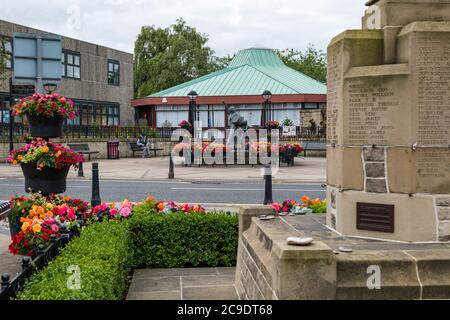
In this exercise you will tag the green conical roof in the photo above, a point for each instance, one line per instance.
(250, 73)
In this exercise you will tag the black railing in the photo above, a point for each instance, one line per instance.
(75, 132)
(81, 132)
(11, 287)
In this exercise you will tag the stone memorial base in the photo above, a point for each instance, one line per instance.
(268, 268)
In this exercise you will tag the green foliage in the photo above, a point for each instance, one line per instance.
(102, 253)
(180, 240)
(287, 122)
(319, 208)
(165, 57)
(3, 58)
(312, 62)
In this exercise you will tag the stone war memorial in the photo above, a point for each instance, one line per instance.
(388, 149)
(387, 230)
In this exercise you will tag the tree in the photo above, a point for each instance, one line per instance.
(312, 62)
(4, 56)
(165, 57)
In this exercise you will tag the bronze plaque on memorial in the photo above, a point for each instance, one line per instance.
(375, 217)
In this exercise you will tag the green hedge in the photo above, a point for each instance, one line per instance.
(183, 240)
(103, 255)
(106, 252)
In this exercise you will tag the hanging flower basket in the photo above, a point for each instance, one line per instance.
(46, 181)
(45, 165)
(43, 127)
(46, 113)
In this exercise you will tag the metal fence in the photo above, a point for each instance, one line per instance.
(81, 132)
(11, 287)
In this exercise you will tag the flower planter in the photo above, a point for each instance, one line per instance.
(47, 180)
(14, 226)
(45, 127)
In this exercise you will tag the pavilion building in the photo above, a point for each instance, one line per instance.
(253, 71)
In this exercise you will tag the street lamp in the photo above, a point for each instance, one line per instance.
(266, 114)
(192, 107)
(50, 87)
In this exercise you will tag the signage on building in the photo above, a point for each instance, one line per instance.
(37, 59)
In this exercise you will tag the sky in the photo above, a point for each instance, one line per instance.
(230, 24)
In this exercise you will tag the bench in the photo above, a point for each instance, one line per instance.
(314, 146)
(82, 148)
(4, 210)
(135, 148)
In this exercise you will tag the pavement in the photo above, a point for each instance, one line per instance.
(183, 284)
(8, 263)
(157, 169)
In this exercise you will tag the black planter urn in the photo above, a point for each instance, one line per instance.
(47, 180)
(43, 127)
(14, 226)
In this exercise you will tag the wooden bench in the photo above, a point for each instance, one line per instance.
(135, 148)
(82, 148)
(314, 146)
(4, 210)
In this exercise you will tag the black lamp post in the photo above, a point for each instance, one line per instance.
(192, 107)
(266, 114)
(50, 87)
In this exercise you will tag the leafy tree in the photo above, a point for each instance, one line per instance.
(312, 62)
(4, 56)
(165, 57)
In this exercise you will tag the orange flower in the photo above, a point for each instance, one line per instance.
(305, 199)
(150, 199)
(160, 206)
(37, 228)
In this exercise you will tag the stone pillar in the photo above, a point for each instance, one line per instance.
(389, 124)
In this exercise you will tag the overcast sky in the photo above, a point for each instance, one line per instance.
(230, 24)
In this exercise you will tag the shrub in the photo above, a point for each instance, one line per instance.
(183, 240)
(102, 252)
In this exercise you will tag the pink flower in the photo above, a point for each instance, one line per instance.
(55, 228)
(125, 211)
(113, 211)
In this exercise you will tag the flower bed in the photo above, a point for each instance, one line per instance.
(117, 238)
(102, 254)
(302, 207)
(40, 217)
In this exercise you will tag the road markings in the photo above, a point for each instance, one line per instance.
(248, 189)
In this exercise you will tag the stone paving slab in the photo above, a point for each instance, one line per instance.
(156, 169)
(8, 263)
(183, 284)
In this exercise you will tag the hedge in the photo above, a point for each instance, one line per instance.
(102, 252)
(183, 240)
(105, 252)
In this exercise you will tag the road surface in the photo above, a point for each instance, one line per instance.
(207, 192)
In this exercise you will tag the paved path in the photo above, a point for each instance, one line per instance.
(8, 263)
(156, 169)
(183, 284)
(200, 192)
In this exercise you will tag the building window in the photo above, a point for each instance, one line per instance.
(100, 114)
(7, 48)
(71, 65)
(113, 73)
(309, 105)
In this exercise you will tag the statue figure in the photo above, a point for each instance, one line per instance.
(236, 121)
